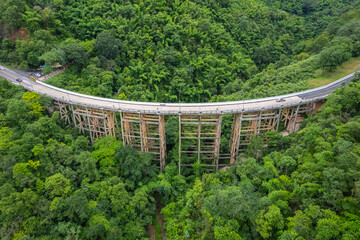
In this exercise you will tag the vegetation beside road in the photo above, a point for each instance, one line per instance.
(322, 78)
(195, 51)
(55, 185)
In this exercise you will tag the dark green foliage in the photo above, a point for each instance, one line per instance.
(107, 45)
(305, 190)
(273, 82)
(189, 51)
(334, 56)
(53, 184)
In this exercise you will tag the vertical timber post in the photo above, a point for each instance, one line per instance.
(199, 138)
(239, 138)
(144, 133)
(217, 141)
(141, 132)
(278, 119)
(90, 130)
(296, 116)
(73, 115)
(122, 127)
(162, 142)
(235, 136)
(104, 121)
(180, 144)
(313, 108)
(257, 132)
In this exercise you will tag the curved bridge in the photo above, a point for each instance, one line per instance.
(143, 123)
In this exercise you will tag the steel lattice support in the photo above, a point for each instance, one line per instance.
(146, 133)
(96, 121)
(199, 140)
(246, 125)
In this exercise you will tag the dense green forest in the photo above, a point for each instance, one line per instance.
(55, 185)
(189, 51)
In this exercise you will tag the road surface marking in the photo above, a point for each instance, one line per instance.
(8, 74)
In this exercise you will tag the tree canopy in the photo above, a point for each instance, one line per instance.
(171, 51)
(54, 184)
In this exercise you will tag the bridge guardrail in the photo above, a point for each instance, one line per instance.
(117, 103)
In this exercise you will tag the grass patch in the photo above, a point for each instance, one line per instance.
(55, 79)
(322, 78)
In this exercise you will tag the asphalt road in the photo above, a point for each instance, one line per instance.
(327, 90)
(173, 108)
(11, 76)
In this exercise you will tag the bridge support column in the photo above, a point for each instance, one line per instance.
(293, 116)
(199, 140)
(97, 122)
(247, 125)
(64, 110)
(316, 106)
(235, 137)
(146, 133)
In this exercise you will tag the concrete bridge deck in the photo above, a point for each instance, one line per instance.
(175, 108)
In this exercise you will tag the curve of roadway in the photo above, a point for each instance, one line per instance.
(253, 105)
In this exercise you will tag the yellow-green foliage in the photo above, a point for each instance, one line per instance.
(57, 185)
(32, 99)
(5, 138)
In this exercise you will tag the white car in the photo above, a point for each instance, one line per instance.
(2, 68)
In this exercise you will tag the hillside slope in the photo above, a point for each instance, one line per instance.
(193, 51)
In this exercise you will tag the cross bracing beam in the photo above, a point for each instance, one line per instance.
(247, 125)
(145, 133)
(97, 122)
(199, 140)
